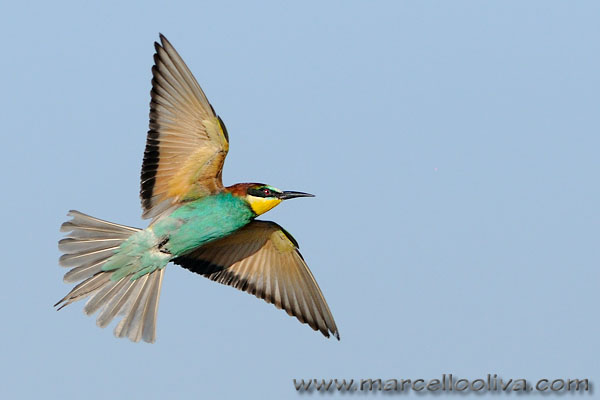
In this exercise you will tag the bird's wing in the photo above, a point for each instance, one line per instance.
(187, 142)
(263, 259)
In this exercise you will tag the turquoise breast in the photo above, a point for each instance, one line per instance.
(201, 221)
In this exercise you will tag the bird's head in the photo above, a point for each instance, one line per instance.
(261, 198)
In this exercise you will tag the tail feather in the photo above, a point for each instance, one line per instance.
(86, 257)
(141, 323)
(86, 222)
(83, 272)
(114, 305)
(84, 289)
(90, 243)
(103, 296)
(72, 245)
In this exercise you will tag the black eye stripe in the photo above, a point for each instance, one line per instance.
(261, 192)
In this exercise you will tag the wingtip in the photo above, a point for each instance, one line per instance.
(164, 41)
(330, 333)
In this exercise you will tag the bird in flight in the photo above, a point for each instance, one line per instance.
(196, 223)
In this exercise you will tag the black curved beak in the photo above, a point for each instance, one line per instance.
(290, 195)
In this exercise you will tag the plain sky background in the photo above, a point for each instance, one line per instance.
(452, 145)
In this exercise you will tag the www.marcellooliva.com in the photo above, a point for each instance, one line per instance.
(447, 383)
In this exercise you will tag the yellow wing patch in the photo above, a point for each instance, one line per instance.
(281, 242)
(189, 181)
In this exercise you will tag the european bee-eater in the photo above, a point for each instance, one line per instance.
(196, 222)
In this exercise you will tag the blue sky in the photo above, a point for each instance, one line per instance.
(452, 146)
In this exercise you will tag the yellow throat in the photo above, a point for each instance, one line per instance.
(261, 205)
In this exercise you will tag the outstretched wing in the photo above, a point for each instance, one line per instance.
(263, 259)
(187, 142)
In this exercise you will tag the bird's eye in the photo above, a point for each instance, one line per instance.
(266, 192)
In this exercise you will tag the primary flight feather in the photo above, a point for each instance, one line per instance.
(196, 222)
